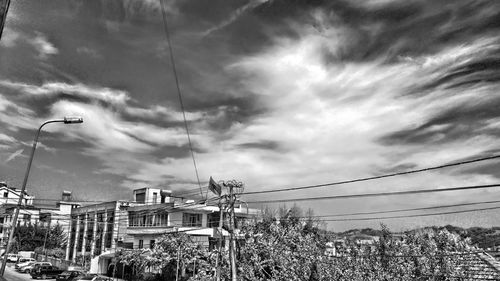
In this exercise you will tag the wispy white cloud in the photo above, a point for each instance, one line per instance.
(14, 155)
(43, 46)
(235, 15)
(329, 118)
(87, 51)
(162, 112)
(9, 38)
(109, 95)
(6, 139)
(15, 116)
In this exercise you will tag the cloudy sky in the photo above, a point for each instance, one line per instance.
(277, 94)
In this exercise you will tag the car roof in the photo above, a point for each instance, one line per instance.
(87, 277)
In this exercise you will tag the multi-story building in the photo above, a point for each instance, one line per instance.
(10, 195)
(150, 221)
(100, 229)
(96, 229)
(60, 213)
(8, 204)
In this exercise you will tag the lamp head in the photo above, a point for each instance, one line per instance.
(73, 120)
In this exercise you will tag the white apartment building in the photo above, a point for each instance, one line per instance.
(152, 213)
(9, 198)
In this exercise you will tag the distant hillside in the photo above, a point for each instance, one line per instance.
(482, 237)
(358, 233)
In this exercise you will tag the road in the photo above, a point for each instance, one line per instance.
(12, 275)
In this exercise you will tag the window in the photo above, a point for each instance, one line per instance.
(26, 217)
(5, 194)
(152, 244)
(147, 220)
(191, 219)
(141, 244)
(140, 197)
(213, 219)
(155, 197)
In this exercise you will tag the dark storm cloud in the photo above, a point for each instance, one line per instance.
(480, 70)
(387, 30)
(458, 123)
(252, 84)
(398, 168)
(263, 145)
(407, 28)
(475, 74)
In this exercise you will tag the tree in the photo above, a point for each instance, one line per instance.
(173, 254)
(292, 247)
(31, 236)
(416, 255)
(56, 238)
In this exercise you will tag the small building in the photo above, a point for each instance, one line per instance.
(60, 213)
(140, 223)
(9, 198)
(96, 228)
(10, 195)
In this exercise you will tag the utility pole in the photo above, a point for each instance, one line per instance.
(47, 230)
(235, 188)
(221, 236)
(232, 241)
(4, 8)
(66, 120)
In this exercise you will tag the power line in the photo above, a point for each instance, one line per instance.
(174, 70)
(375, 177)
(451, 254)
(3, 18)
(472, 187)
(169, 210)
(407, 210)
(417, 215)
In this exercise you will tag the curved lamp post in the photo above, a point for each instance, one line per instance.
(65, 120)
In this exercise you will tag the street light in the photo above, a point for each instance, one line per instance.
(65, 120)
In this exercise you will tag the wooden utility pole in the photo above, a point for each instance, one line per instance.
(47, 230)
(221, 236)
(4, 8)
(232, 241)
(234, 188)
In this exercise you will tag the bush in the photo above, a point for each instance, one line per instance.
(56, 253)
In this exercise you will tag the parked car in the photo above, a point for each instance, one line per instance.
(93, 277)
(31, 266)
(69, 275)
(13, 257)
(23, 262)
(23, 267)
(46, 271)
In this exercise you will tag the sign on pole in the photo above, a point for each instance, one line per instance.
(214, 187)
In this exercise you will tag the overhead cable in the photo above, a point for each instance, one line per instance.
(174, 69)
(417, 215)
(375, 177)
(361, 195)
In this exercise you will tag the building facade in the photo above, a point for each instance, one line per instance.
(9, 198)
(96, 228)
